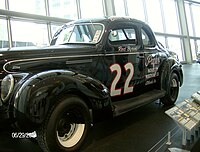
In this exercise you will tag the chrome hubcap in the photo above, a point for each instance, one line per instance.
(69, 132)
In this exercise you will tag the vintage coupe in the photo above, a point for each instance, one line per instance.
(94, 69)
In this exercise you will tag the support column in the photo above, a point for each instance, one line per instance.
(184, 31)
(48, 23)
(78, 8)
(8, 26)
(109, 8)
(126, 8)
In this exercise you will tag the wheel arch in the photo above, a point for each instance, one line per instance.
(78, 93)
(38, 93)
(178, 70)
(167, 68)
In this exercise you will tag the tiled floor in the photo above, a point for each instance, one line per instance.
(142, 130)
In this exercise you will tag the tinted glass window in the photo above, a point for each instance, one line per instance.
(123, 36)
(130, 33)
(147, 38)
(117, 35)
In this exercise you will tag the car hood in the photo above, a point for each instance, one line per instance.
(11, 60)
(32, 52)
(49, 48)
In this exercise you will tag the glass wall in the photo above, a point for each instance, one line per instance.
(63, 9)
(2, 4)
(175, 45)
(162, 40)
(3, 34)
(154, 15)
(119, 7)
(29, 34)
(192, 12)
(136, 9)
(171, 16)
(189, 18)
(91, 8)
(28, 6)
(32, 32)
(193, 48)
(198, 45)
(196, 13)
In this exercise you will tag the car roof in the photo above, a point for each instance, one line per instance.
(108, 19)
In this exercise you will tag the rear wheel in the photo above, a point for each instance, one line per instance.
(172, 90)
(66, 126)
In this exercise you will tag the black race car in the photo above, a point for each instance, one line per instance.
(94, 69)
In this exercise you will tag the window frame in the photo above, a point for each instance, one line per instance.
(149, 33)
(127, 41)
(75, 25)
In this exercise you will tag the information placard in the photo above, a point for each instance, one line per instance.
(186, 113)
(196, 97)
(181, 117)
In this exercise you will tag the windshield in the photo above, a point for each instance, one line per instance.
(79, 33)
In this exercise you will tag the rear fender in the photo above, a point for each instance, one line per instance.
(166, 69)
(38, 93)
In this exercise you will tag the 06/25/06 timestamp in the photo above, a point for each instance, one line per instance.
(24, 135)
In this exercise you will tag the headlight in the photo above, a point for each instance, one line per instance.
(7, 86)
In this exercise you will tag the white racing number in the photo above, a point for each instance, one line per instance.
(127, 88)
(113, 90)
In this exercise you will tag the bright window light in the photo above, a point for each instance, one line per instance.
(196, 12)
(119, 7)
(28, 6)
(171, 16)
(3, 34)
(91, 8)
(154, 15)
(63, 9)
(136, 9)
(175, 45)
(29, 34)
(2, 4)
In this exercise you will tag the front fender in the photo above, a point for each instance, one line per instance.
(38, 93)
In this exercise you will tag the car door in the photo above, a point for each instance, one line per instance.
(124, 65)
(152, 56)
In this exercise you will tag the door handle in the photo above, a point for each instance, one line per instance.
(140, 57)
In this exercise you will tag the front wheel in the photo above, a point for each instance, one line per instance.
(172, 90)
(66, 126)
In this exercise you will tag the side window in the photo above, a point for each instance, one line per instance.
(123, 36)
(117, 35)
(147, 38)
(130, 34)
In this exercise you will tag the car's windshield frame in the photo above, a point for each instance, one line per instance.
(96, 38)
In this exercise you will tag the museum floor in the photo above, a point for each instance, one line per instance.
(142, 130)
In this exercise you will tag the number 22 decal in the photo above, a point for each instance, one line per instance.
(127, 87)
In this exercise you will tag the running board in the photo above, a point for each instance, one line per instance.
(124, 106)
